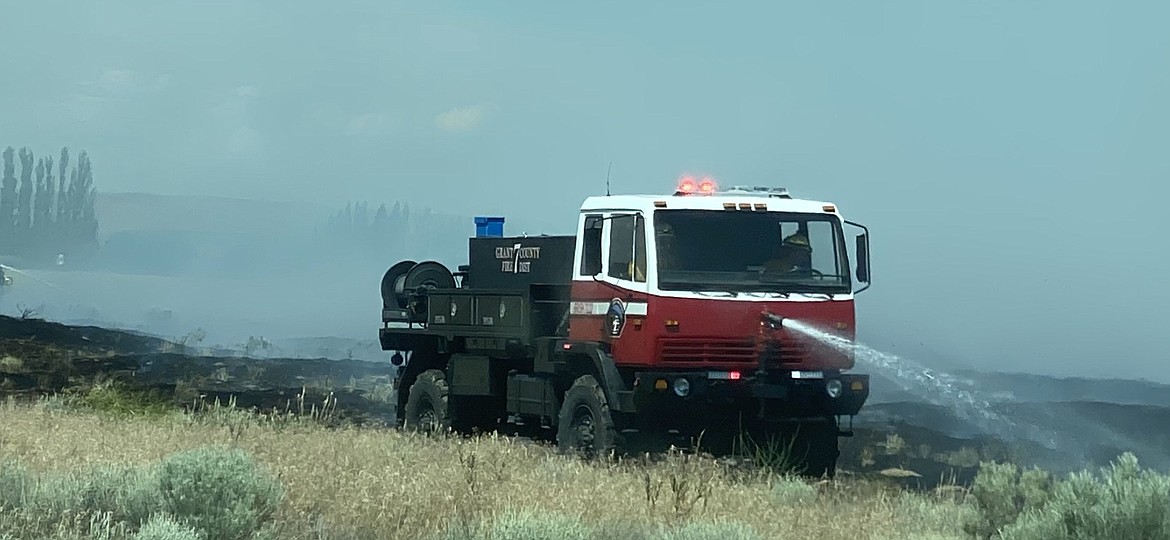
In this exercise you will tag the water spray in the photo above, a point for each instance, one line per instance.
(7, 268)
(936, 388)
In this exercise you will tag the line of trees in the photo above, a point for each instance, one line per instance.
(388, 229)
(50, 210)
(396, 231)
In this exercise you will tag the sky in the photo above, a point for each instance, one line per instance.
(1009, 157)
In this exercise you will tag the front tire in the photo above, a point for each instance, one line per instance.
(585, 426)
(427, 408)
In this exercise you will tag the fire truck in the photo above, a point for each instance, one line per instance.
(662, 314)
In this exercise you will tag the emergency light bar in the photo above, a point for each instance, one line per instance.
(707, 186)
(687, 185)
(778, 192)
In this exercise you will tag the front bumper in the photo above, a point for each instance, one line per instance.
(781, 395)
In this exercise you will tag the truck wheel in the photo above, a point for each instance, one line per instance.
(585, 425)
(426, 407)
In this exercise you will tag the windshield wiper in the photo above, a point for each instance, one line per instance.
(708, 293)
(781, 294)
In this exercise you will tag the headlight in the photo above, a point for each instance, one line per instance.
(682, 387)
(833, 388)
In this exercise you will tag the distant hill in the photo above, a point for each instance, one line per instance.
(169, 234)
(1026, 387)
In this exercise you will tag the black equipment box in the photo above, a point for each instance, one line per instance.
(517, 262)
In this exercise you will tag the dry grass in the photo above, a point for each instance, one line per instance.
(366, 483)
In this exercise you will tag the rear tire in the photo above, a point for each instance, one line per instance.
(585, 426)
(427, 406)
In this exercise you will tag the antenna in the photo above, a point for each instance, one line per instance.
(607, 171)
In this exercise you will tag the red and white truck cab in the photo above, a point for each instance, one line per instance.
(693, 287)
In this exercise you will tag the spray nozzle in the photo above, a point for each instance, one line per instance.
(771, 320)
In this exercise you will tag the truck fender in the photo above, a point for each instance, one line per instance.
(589, 358)
(425, 356)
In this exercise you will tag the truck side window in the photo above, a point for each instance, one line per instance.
(621, 246)
(821, 235)
(591, 246)
(627, 247)
(639, 249)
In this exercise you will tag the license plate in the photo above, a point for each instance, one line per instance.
(808, 375)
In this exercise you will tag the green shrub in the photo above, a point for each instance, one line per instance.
(941, 513)
(223, 493)
(628, 529)
(116, 399)
(164, 527)
(15, 483)
(520, 525)
(1002, 492)
(85, 502)
(1125, 503)
(126, 494)
(527, 525)
(792, 492)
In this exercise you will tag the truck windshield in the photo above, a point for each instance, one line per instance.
(747, 251)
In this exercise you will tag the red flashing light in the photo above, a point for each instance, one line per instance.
(724, 375)
(687, 185)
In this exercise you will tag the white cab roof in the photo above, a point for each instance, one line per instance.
(646, 203)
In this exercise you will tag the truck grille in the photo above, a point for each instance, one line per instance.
(706, 351)
(792, 353)
(726, 351)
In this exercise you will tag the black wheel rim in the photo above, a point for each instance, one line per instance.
(584, 434)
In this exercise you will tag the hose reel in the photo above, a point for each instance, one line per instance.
(406, 284)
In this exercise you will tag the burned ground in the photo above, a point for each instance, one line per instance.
(40, 357)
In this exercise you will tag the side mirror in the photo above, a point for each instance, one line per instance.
(863, 258)
(862, 252)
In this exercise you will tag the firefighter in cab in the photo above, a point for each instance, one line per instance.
(792, 255)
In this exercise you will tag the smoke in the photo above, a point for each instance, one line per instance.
(229, 270)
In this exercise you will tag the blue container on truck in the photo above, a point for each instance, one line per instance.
(489, 227)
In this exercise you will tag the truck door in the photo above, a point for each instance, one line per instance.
(626, 270)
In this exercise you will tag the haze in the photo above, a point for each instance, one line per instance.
(1009, 157)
